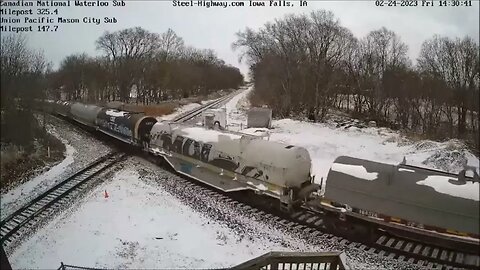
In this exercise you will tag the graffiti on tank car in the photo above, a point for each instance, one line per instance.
(177, 144)
(166, 141)
(203, 152)
(125, 131)
(196, 150)
(186, 147)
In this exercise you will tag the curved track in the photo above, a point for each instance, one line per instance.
(27, 217)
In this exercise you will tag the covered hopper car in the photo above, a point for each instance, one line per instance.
(404, 194)
(132, 128)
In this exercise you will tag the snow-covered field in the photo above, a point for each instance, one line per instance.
(153, 220)
(81, 149)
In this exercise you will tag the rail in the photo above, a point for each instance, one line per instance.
(29, 214)
(195, 112)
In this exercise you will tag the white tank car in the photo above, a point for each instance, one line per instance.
(232, 161)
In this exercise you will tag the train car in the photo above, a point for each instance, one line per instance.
(63, 108)
(131, 128)
(232, 162)
(85, 114)
(404, 194)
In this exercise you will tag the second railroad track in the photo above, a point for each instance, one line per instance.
(20, 222)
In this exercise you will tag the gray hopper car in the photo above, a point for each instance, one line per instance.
(85, 114)
(132, 128)
(431, 199)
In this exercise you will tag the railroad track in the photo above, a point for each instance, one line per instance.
(404, 249)
(27, 217)
(312, 223)
(195, 112)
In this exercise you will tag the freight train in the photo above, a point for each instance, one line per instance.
(408, 197)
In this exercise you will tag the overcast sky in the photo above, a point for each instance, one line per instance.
(215, 27)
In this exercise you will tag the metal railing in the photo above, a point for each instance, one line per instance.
(279, 261)
(297, 261)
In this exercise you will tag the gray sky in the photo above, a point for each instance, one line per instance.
(215, 27)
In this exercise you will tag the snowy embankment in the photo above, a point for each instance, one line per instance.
(152, 219)
(327, 141)
(81, 149)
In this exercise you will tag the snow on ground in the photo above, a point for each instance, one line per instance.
(152, 219)
(327, 141)
(236, 110)
(45, 180)
(81, 149)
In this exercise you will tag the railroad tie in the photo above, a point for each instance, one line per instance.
(443, 255)
(399, 244)
(311, 219)
(451, 254)
(352, 244)
(318, 222)
(459, 258)
(417, 249)
(420, 262)
(381, 240)
(390, 242)
(426, 251)
(302, 217)
(408, 247)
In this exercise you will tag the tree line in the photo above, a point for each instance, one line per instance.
(157, 66)
(309, 64)
(24, 78)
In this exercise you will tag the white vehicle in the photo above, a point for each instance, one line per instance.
(215, 118)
